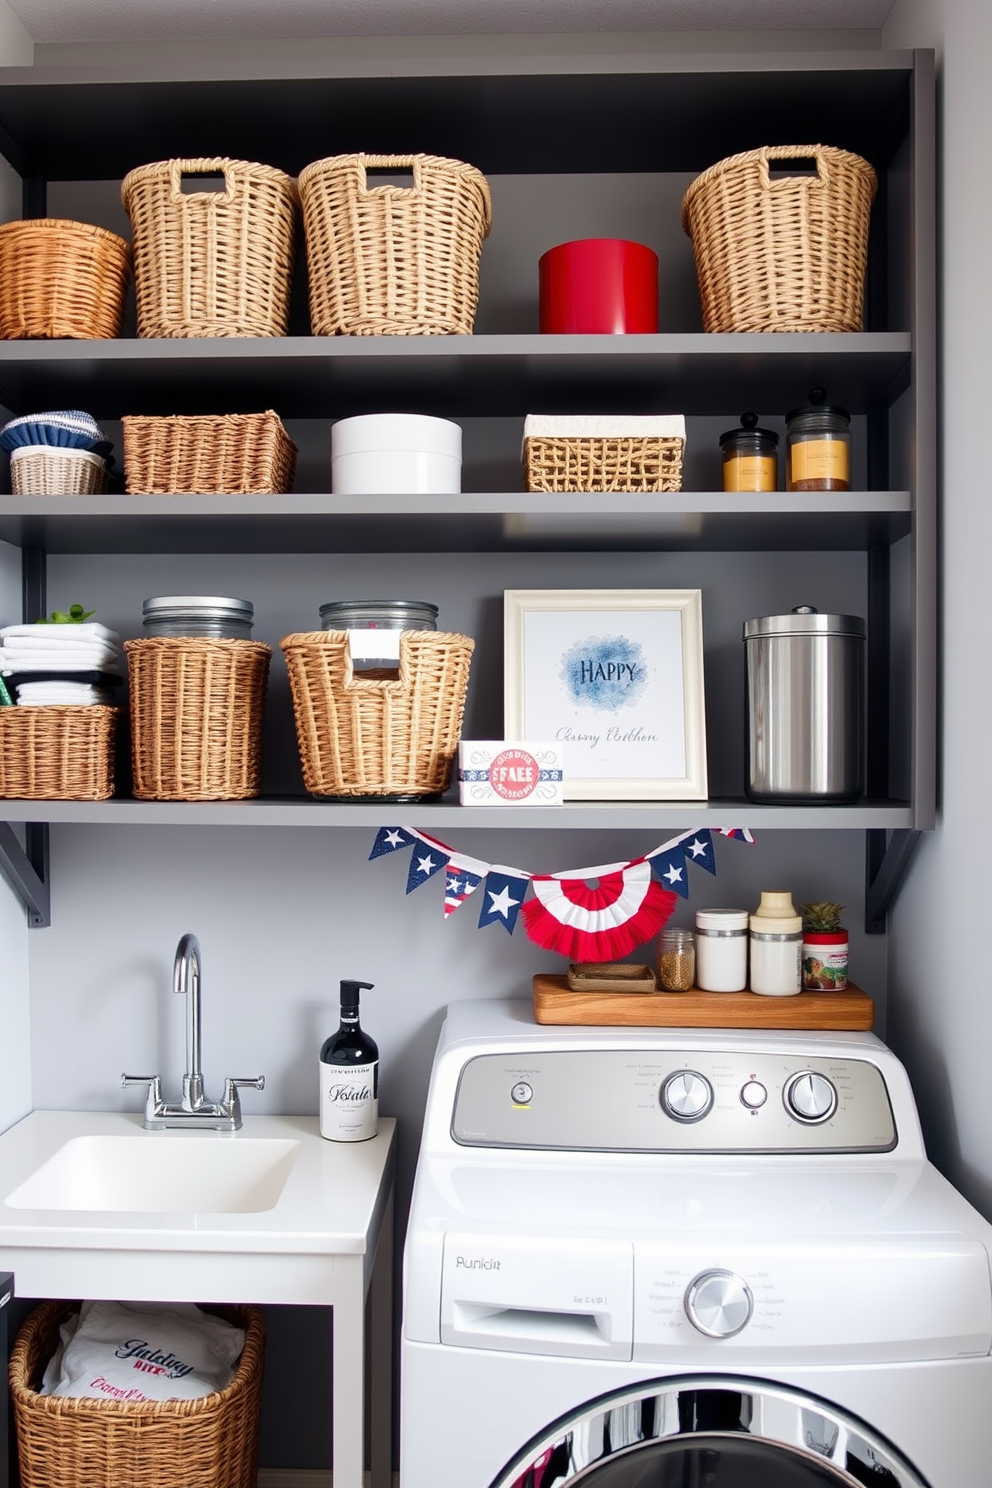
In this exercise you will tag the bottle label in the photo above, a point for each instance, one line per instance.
(749, 473)
(819, 459)
(824, 968)
(349, 1101)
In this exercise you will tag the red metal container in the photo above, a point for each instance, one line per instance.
(599, 285)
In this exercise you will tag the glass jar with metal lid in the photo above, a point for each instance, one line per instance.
(750, 457)
(818, 446)
(376, 656)
(211, 616)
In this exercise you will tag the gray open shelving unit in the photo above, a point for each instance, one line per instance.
(665, 118)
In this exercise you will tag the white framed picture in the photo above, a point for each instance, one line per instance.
(616, 677)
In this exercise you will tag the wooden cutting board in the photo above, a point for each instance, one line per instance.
(555, 1002)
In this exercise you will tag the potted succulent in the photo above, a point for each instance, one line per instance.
(825, 947)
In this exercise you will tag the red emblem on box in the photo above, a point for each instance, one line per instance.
(514, 774)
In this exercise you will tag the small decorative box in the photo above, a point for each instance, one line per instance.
(509, 772)
(603, 452)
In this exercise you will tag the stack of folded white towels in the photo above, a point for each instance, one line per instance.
(46, 664)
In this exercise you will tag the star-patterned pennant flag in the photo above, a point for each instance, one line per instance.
(389, 839)
(741, 833)
(502, 897)
(463, 877)
(424, 863)
(670, 870)
(698, 849)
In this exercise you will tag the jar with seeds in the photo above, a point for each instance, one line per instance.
(676, 964)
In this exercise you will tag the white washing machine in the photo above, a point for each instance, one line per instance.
(686, 1258)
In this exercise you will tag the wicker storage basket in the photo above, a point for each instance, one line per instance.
(50, 470)
(392, 260)
(566, 453)
(57, 752)
(238, 454)
(363, 737)
(211, 1442)
(781, 255)
(196, 717)
(60, 279)
(211, 263)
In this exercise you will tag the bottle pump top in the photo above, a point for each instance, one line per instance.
(350, 991)
(776, 913)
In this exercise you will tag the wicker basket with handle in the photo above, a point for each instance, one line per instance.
(211, 263)
(781, 255)
(378, 737)
(196, 717)
(240, 454)
(210, 1442)
(393, 260)
(61, 279)
(57, 752)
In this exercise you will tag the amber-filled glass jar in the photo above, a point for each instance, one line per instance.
(750, 457)
(818, 446)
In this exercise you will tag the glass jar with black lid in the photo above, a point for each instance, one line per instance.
(818, 446)
(750, 457)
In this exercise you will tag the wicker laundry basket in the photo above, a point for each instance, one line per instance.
(239, 454)
(211, 263)
(370, 737)
(196, 717)
(393, 260)
(211, 1442)
(51, 470)
(61, 279)
(603, 453)
(781, 255)
(57, 752)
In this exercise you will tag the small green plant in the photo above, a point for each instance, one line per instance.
(74, 616)
(821, 916)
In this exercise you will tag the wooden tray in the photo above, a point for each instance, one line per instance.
(610, 976)
(555, 1002)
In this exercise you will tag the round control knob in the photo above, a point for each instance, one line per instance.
(810, 1097)
(522, 1094)
(686, 1096)
(753, 1094)
(719, 1303)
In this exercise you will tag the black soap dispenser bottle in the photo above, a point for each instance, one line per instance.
(349, 1075)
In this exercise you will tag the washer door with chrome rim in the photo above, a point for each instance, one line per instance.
(709, 1432)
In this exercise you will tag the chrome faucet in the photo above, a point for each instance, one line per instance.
(193, 1110)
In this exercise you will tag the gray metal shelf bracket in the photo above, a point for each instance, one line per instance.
(887, 856)
(26, 870)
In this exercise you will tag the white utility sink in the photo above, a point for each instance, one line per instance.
(161, 1173)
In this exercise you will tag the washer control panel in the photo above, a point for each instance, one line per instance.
(701, 1100)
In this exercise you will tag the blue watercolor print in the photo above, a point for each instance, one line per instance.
(604, 672)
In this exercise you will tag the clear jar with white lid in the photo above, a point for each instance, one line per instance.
(721, 950)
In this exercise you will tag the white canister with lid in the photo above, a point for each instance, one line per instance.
(406, 454)
(776, 946)
(721, 950)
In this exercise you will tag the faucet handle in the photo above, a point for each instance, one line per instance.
(154, 1083)
(231, 1086)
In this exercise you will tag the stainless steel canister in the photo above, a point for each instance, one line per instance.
(805, 706)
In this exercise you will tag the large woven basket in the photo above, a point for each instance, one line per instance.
(240, 454)
(196, 717)
(781, 255)
(57, 752)
(618, 464)
(393, 260)
(211, 263)
(51, 470)
(362, 737)
(61, 279)
(211, 1442)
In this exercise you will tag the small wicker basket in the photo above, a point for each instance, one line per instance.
(196, 717)
(61, 279)
(211, 1442)
(51, 470)
(364, 737)
(238, 454)
(781, 255)
(393, 260)
(57, 752)
(211, 263)
(576, 453)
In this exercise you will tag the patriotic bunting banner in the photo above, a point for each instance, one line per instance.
(586, 914)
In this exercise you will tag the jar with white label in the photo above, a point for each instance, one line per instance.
(721, 950)
(818, 446)
(776, 946)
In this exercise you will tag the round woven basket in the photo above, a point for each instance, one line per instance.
(211, 263)
(785, 254)
(370, 737)
(196, 717)
(57, 752)
(211, 1442)
(393, 260)
(50, 470)
(61, 279)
